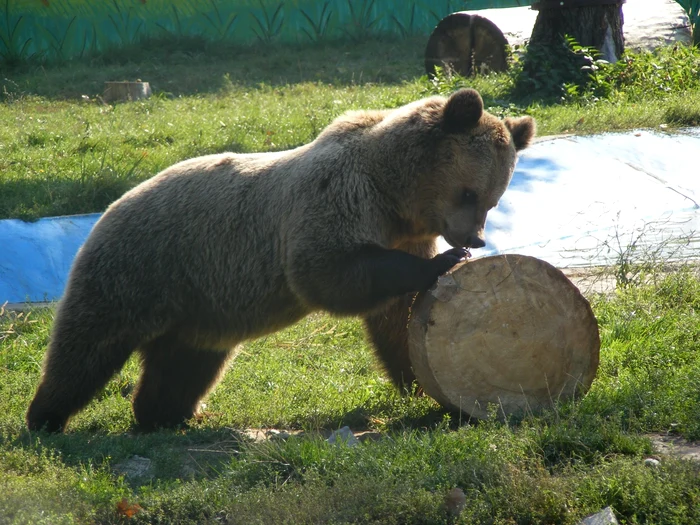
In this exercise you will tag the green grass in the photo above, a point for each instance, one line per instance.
(554, 467)
(62, 154)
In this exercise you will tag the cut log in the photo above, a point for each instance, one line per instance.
(124, 91)
(509, 330)
(465, 43)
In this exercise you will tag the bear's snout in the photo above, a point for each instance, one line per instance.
(474, 241)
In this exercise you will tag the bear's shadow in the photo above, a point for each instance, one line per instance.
(195, 453)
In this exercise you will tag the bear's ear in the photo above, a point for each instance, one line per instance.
(522, 129)
(462, 111)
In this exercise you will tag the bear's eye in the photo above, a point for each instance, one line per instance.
(468, 198)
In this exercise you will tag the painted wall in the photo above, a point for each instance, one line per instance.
(64, 29)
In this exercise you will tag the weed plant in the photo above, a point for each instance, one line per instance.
(577, 74)
(670, 69)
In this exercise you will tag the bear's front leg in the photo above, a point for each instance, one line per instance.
(359, 281)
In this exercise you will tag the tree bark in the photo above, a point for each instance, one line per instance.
(593, 23)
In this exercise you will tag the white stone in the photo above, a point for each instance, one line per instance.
(134, 467)
(651, 462)
(604, 517)
(343, 434)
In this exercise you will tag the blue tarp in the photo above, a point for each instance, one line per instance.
(581, 200)
(36, 256)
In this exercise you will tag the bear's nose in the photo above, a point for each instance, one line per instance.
(475, 242)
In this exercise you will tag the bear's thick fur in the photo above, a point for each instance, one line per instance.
(223, 248)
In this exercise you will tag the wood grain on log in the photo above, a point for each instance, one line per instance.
(465, 43)
(510, 330)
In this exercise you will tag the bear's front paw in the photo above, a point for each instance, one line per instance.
(445, 261)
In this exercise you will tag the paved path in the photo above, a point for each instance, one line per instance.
(647, 23)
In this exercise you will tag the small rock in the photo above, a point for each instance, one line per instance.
(604, 517)
(134, 467)
(254, 434)
(455, 500)
(651, 462)
(279, 435)
(343, 434)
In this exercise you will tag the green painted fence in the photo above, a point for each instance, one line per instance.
(64, 29)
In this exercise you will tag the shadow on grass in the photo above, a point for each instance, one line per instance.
(31, 199)
(190, 65)
(163, 455)
(187, 453)
(360, 418)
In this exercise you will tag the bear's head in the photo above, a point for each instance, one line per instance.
(473, 163)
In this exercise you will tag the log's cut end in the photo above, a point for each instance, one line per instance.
(466, 43)
(125, 91)
(509, 330)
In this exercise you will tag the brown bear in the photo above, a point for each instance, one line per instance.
(223, 248)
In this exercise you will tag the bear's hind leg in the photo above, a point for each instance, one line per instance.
(78, 364)
(388, 328)
(175, 376)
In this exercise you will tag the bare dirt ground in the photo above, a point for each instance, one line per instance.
(675, 446)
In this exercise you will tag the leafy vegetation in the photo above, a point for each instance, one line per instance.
(578, 73)
(647, 74)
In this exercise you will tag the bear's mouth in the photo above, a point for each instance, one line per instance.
(454, 244)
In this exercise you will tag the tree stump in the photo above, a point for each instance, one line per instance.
(465, 43)
(593, 23)
(123, 91)
(509, 330)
